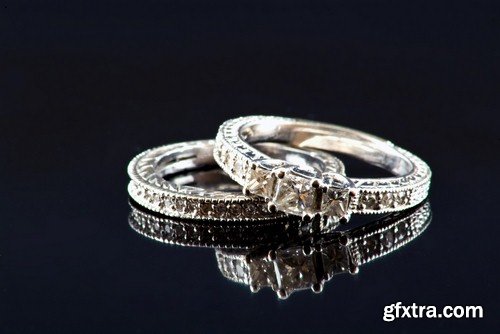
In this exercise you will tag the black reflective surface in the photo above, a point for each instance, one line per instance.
(289, 254)
(85, 86)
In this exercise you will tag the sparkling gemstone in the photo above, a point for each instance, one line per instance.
(228, 158)
(260, 182)
(335, 203)
(335, 200)
(371, 245)
(239, 167)
(156, 226)
(161, 203)
(167, 231)
(335, 259)
(189, 206)
(401, 198)
(167, 202)
(239, 269)
(235, 209)
(388, 239)
(387, 200)
(370, 202)
(220, 209)
(146, 195)
(400, 233)
(262, 209)
(180, 204)
(178, 231)
(262, 273)
(296, 270)
(205, 208)
(154, 198)
(250, 208)
(295, 194)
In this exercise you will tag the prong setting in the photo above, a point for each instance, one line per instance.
(310, 263)
(317, 287)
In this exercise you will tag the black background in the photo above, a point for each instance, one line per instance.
(86, 85)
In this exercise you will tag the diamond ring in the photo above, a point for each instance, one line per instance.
(159, 181)
(296, 190)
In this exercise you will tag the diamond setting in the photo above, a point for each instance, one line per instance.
(290, 268)
(151, 188)
(336, 196)
(295, 192)
(406, 189)
(261, 180)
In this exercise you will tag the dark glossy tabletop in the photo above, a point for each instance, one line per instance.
(85, 86)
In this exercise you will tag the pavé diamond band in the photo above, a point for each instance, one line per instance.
(295, 190)
(158, 184)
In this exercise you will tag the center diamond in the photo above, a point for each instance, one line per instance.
(295, 193)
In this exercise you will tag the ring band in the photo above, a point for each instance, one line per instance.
(288, 268)
(291, 189)
(150, 188)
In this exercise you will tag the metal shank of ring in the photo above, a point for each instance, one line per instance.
(153, 174)
(292, 190)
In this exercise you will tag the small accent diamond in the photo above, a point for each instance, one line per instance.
(235, 209)
(335, 201)
(205, 208)
(220, 209)
(387, 200)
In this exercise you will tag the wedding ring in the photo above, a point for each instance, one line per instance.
(158, 183)
(308, 265)
(293, 189)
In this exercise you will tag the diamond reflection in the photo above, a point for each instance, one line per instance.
(290, 254)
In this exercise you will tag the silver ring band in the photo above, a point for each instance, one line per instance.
(150, 188)
(292, 189)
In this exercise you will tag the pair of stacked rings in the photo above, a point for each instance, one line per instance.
(281, 167)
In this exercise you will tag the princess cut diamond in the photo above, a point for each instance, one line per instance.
(335, 201)
(295, 193)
